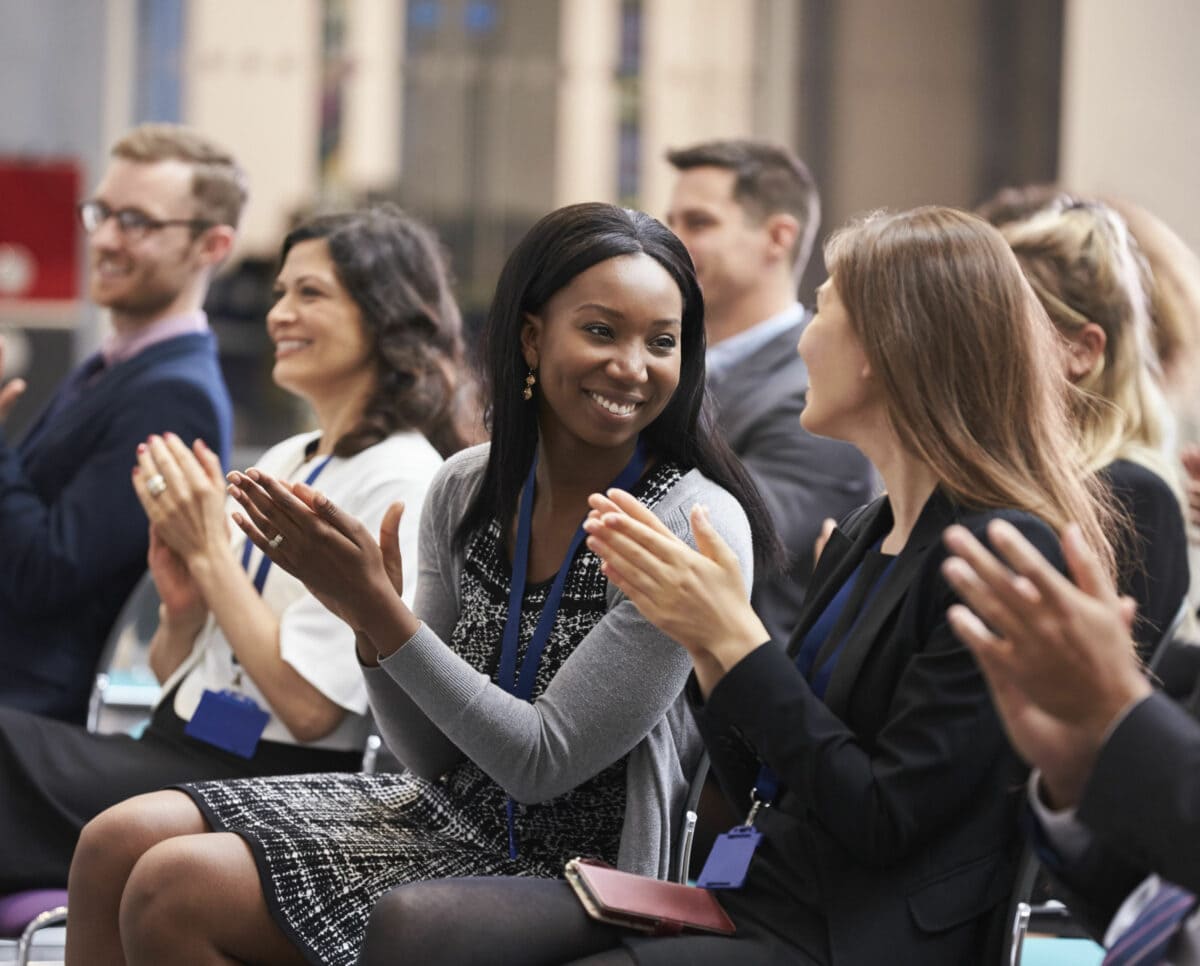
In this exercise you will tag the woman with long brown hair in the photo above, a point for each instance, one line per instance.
(866, 753)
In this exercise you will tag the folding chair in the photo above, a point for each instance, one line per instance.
(687, 828)
(1045, 932)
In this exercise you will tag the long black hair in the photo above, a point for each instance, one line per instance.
(392, 267)
(561, 246)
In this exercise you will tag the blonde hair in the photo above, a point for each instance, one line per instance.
(1173, 285)
(218, 182)
(1085, 268)
(968, 362)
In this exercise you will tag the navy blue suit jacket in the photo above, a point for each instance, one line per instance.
(895, 836)
(73, 537)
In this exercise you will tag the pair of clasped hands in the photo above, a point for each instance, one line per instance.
(183, 490)
(699, 599)
(1057, 654)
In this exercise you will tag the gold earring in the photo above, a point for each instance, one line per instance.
(527, 392)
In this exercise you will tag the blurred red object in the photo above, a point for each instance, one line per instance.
(39, 234)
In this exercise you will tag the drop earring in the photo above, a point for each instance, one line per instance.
(527, 392)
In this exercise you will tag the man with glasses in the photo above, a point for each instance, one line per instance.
(74, 536)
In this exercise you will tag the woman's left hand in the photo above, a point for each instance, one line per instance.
(698, 598)
(188, 512)
(330, 552)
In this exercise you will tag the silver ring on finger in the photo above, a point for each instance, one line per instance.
(275, 541)
(156, 486)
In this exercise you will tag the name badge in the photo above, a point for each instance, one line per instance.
(229, 721)
(729, 859)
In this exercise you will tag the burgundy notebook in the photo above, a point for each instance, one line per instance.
(644, 904)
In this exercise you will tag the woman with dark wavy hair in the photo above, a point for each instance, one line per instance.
(411, 321)
(537, 711)
(371, 348)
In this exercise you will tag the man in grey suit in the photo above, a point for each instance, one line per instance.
(748, 213)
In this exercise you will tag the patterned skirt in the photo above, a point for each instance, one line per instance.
(328, 847)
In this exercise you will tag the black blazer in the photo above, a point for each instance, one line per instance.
(895, 834)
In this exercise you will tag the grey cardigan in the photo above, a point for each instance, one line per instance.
(620, 691)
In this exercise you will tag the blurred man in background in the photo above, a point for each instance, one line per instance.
(748, 213)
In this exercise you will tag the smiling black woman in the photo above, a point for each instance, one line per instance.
(537, 711)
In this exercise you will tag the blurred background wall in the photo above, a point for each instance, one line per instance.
(481, 115)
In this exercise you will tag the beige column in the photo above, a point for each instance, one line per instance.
(585, 157)
(372, 118)
(698, 81)
(775, 71)
(253, 83)
(120, 65)
(1130, 123)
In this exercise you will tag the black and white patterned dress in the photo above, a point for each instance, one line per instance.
(328, 847)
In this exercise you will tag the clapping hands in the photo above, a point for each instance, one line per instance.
(698, 597)
(1058, 657)
(358, 578)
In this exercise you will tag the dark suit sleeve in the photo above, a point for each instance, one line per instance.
(1094, 886)
(940, 738)
(1142, 800)
(55, 554)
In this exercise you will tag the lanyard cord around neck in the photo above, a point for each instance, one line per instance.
(522, 686)
(264, 566)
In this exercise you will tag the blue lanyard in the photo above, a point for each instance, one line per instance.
(264, 566)
(522, 686)
(766, 784)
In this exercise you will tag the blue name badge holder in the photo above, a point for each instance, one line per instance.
(729, 860)
(228, 719)
(231, 721)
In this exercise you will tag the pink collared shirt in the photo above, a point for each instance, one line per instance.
(118, 348)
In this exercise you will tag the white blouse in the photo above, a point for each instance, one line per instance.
(312, 640)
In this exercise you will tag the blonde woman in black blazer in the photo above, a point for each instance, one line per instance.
(892, 836)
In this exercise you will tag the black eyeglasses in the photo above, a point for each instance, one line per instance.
(132, 223)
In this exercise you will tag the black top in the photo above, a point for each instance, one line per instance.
(1154, 570)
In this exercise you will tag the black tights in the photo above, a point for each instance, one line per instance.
(533, 922)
